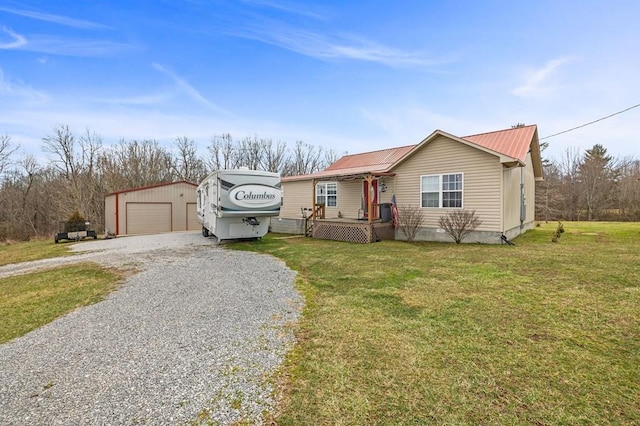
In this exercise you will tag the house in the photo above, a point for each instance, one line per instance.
(155, 209)
(492, 173)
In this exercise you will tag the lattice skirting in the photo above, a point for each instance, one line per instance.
(361, 233)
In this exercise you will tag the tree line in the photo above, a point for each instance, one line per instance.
(80, 169)
(589, 185)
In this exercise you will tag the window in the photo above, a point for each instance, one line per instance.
(441, 191)
(327, 194)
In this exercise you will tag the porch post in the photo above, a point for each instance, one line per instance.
(369, 180)
(313, 202)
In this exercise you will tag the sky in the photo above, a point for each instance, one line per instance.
(352, 76)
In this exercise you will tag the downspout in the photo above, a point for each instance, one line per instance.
(523, 200)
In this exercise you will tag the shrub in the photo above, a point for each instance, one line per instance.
(459, 223)
(410, 220)
(558, 233)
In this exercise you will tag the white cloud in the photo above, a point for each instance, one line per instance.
(74, 47)
(540, 81)
(18, 91)
(324, 47)
(56, 19)
(16, 42)
(189, 90)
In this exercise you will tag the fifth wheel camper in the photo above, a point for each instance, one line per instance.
(237, 204)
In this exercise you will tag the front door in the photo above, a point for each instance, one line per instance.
(370, 192)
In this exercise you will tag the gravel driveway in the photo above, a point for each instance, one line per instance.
(192, 338)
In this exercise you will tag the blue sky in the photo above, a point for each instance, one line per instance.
(352, 76)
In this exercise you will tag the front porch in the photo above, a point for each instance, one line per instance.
(353, 230)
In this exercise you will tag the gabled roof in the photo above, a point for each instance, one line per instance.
(511, 145)
(142, 188)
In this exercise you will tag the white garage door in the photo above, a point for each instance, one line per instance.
(148, 218)
(192, 217)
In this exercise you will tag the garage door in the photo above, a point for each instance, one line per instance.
(148, 218)
(192, 217)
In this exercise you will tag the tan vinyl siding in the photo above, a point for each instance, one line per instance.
(295, 195)
(512, 180)
(349, 199)
(481, 180)
(530, 190)
(511, 197)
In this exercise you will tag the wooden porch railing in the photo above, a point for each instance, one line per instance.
(317, 212)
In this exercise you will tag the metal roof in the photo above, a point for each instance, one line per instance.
(376, 160)
(513, 143)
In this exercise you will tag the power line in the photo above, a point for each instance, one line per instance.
(591, 122)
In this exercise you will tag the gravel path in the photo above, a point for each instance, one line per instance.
(193, 337)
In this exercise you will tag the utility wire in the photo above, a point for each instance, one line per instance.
(591, 122)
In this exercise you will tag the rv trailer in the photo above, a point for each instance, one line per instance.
(237, 204)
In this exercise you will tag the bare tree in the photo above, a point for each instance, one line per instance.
(410, 220)
(250, 152)
(458, 224)
(133, 164)
(628, 189)
(61, 147)
(223, 152)
(305, 159)
(75, 160)
(274, 156)
(330, 157)
(6, 150)
(570, 187)
(188, 165)
(548, 197)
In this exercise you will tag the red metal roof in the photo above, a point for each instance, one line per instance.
(375, 160)
(142, 188)
(513, 143)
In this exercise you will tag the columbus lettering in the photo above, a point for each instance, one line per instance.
(243, 195)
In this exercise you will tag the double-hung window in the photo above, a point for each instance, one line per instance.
(441, 191)
(327, 193)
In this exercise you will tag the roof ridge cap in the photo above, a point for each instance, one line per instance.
(380, 150)
(498, 131)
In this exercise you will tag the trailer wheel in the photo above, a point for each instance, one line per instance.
(56, 239)
(205, 232)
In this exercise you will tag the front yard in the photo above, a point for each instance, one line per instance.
(428, 333)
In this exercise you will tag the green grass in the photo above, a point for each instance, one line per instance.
(432, 333)
(32, 300)
(31, 250)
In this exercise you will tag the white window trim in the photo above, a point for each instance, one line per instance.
(326, 194)
(440, 190)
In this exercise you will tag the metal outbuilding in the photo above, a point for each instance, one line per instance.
(152, 209)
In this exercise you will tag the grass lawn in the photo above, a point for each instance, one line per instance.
(32, 300)
(26, 251)
(431, 333)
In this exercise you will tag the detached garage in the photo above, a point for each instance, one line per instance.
(153, 209)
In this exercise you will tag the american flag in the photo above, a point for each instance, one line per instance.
(394, 210)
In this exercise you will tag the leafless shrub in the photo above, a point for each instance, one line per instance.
(410, 219)
(459, 224)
